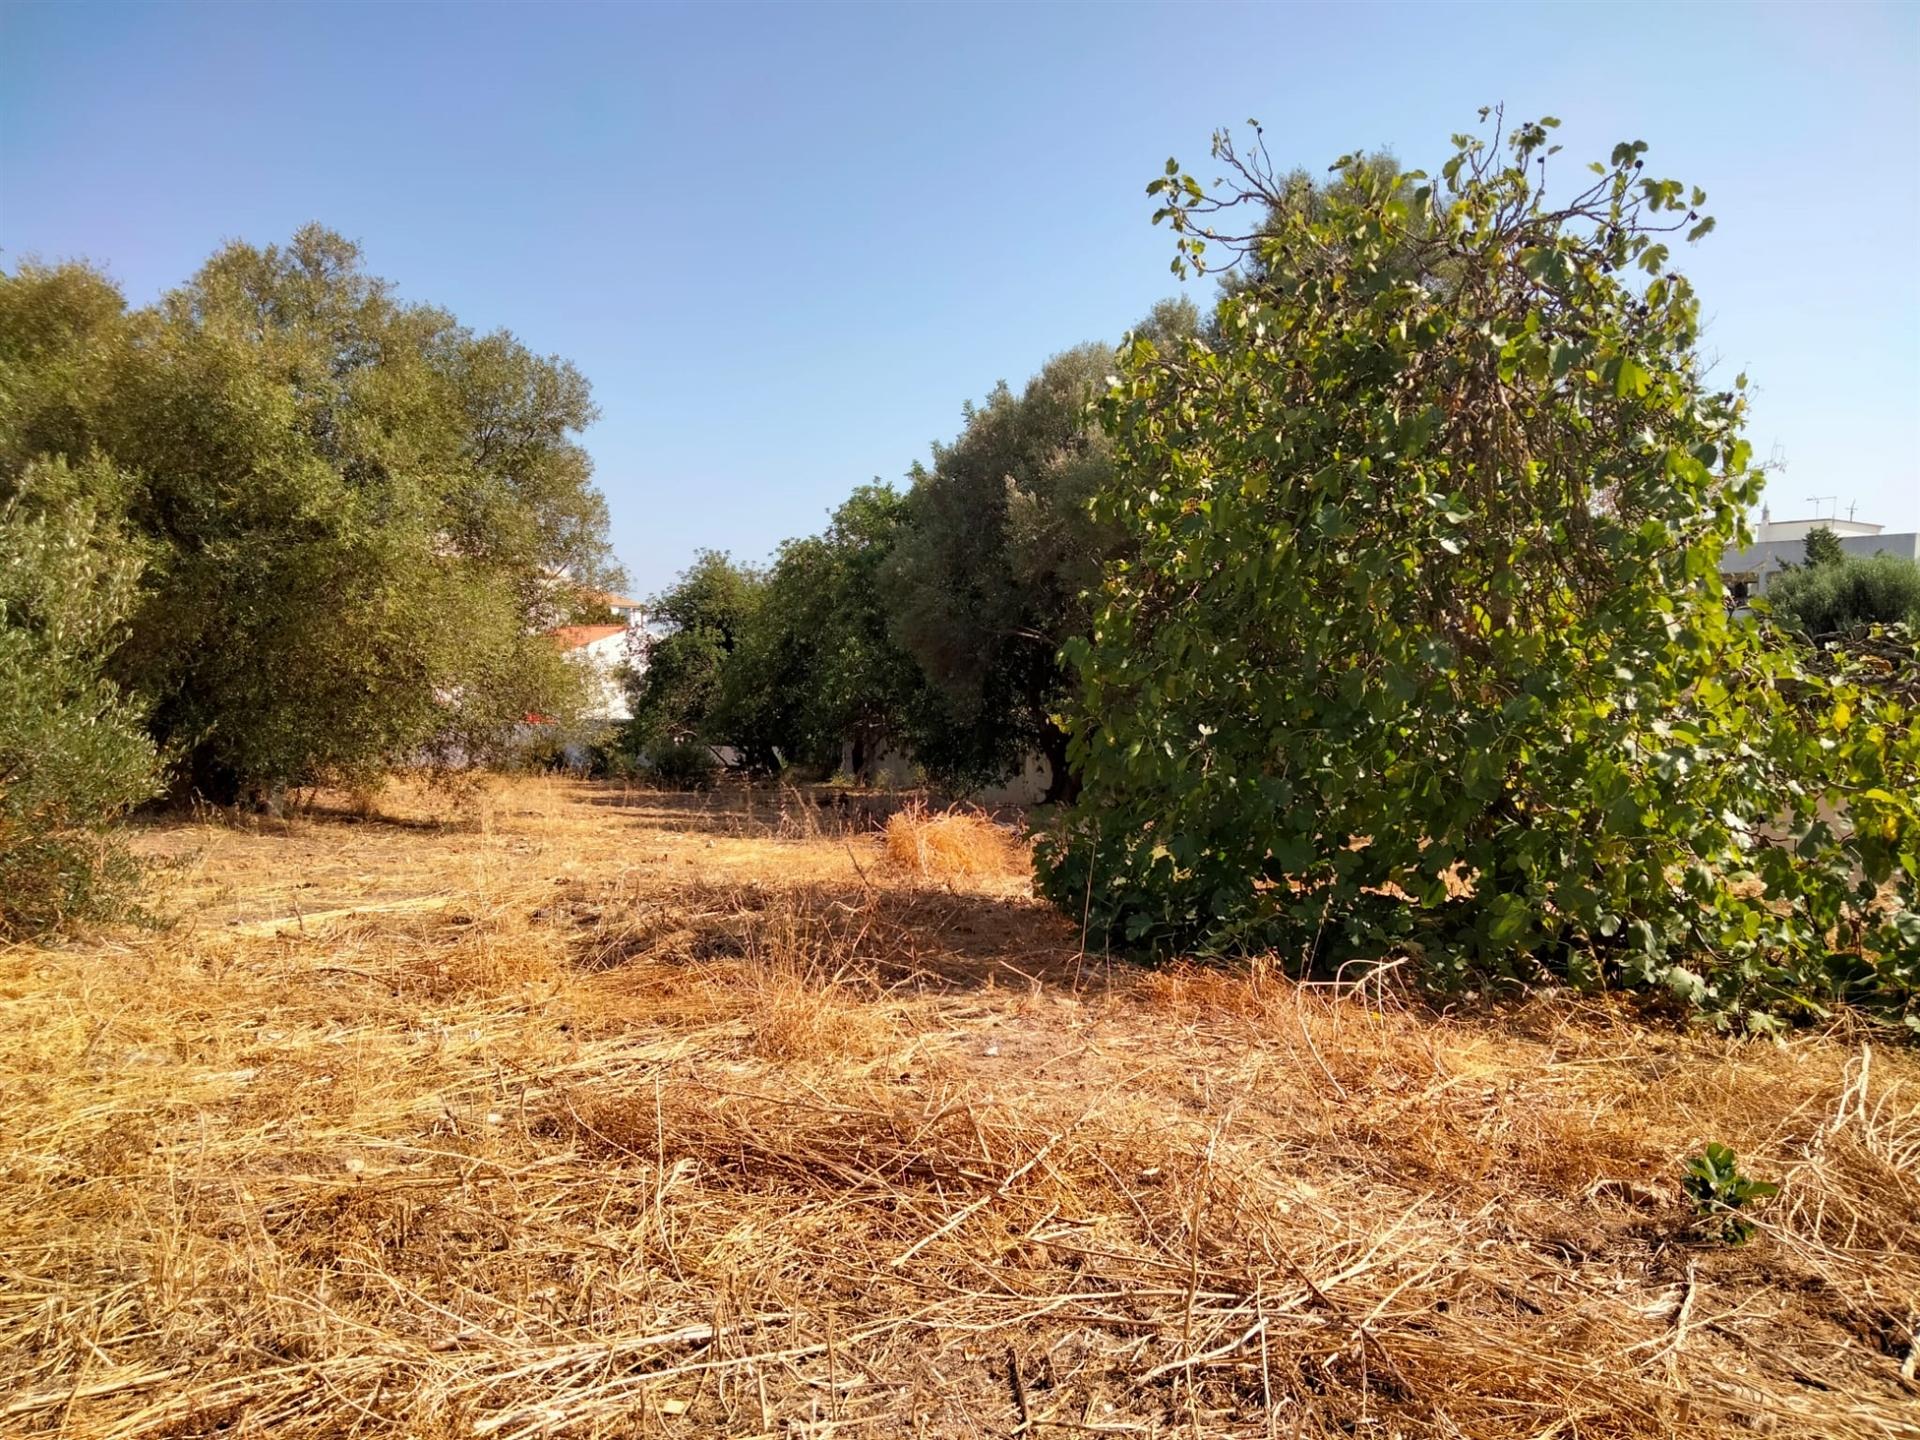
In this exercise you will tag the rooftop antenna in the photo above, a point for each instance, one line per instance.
(1852, 505)
(1814, 500)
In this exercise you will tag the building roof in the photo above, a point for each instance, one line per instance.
(573, 637)
(611, 601)
(1769, 529)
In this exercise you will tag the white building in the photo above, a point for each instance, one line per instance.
(1778, 544)
(628, 612)
(604, 651)
(607, 651)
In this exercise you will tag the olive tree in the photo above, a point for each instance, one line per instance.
(999, 552)
(74, 755)
(351, 509)
(1846, 592)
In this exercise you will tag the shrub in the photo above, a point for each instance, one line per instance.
(1424, 645)
(1854, 590)
(607, 758)
(688, 765)
(73, 753)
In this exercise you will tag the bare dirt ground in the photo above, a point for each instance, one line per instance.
(586, 1112)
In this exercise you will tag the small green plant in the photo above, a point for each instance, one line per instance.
(1719, 1191)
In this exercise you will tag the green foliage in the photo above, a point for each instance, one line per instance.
(1828, 596)
(1301, 195)
(687, 765)
(63, 336)
(816, 665)
(674, 695)
(705, 615)
(73, 753)
(1823, 547)
(1417, 640)
(592, 748)
(1000, 550)
(712, 594)
(928, 623)
(1719, 1192)
(350, 508)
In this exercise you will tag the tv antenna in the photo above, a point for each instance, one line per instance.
(1832, 500)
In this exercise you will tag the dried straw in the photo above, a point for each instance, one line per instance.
(952, 844)
(669, 1124)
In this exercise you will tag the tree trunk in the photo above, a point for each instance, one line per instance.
(1063, 785)
(211, 780)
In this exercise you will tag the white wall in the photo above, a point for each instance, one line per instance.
(607, 696)
(1767, 558)
(894, 770)
(1768, 531)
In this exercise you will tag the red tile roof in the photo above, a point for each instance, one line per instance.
(572, 637)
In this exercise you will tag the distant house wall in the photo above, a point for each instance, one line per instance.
(1027, 787)
(607, 693)
(1760, 562)
(890, 768)
(894, 769)
(604, 652)
(1768, 530)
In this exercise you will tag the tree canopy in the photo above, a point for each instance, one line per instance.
(350, 508)
(818, 667)
(1000, 548)
(704, 617)
(1416, 637)
(1823, 547)
(1843, 593)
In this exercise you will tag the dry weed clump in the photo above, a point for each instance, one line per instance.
(952, 844)
(661, 1125)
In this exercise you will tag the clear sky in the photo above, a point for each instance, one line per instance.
(786, 242)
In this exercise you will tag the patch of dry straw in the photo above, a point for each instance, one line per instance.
(657, 1130)
(952, 844)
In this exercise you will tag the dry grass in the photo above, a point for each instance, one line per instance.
(684, 1118)
(953, 844)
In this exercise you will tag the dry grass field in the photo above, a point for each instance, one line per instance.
(570, 1111)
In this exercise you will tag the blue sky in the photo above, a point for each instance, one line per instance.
(785, 243)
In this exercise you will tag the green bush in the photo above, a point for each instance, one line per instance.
(353, 510)
(609, 758)
(687, 766)
(1853, 590)
(1422, 647)
(73, 754)
(1718, 1192)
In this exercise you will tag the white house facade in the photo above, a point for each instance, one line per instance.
(605, 652)
(1778, 544)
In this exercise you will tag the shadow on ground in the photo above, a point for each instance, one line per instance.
(923, 936)
(785, 813)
